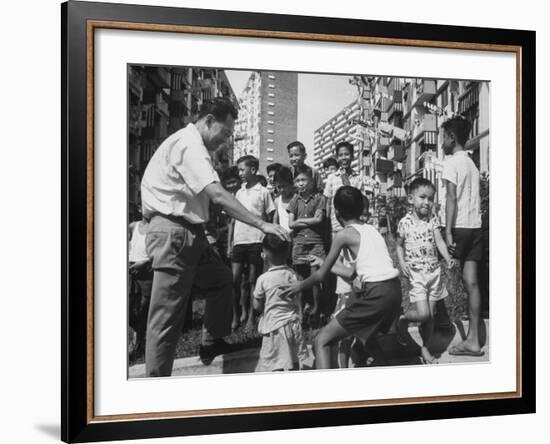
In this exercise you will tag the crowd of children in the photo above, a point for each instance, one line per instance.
(280, 286)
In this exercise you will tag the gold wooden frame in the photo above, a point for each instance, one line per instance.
(92, 25)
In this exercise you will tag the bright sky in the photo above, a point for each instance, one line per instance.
(320, 97)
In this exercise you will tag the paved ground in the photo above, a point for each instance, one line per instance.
(246, 361)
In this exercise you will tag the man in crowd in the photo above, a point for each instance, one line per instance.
(178, 186)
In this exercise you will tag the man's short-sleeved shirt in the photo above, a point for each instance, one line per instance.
(258, 201)
(175, 177)
(460, 170)
(302, 208)
(337, 180)
(419, 241)
(277, 311)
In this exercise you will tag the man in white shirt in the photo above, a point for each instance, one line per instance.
(463, 223)
(178, 186)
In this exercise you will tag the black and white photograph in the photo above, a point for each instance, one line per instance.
(296, 221)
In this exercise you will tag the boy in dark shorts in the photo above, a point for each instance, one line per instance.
(247, 240)
(306, 215)
(376, 301)
(463, 223)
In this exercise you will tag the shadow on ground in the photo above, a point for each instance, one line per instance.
(51, 430)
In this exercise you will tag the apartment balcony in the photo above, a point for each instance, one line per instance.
(395, 181)
(469, 99)
(136, 83)
(397, 104)
(416, 95)
(425, 91)
(159, 76)
(397, 153)
(383, 144)
(426, 132)
(162, 104)
(179, 95)
(148, 133)
(383, 104)
(136, 124)
(383, 166)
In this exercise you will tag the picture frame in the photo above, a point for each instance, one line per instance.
(80, 20)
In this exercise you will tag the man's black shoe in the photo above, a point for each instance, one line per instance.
(207, 353)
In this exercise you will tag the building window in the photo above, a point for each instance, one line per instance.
(270, 95)
(270, 150)
(271, 113)
(271, 122)
(271, 85)
(270, 140)
(270, 159)
(271, 103)
(271, 76)
(444, 98)
(270, 131)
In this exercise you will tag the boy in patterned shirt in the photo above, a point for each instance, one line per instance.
(418, 241)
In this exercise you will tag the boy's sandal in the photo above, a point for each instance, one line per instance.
(425, 361)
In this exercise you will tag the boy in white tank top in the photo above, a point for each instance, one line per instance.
(372, 307)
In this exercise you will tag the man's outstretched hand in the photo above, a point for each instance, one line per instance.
(277, 230)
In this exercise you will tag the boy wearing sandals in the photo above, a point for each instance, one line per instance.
(463, 233)
(418, 241)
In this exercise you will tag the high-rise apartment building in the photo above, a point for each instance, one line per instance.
(341, 127)
(401, 131)
(268, 116)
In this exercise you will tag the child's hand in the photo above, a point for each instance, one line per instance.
(314, 261)
(290, 291)
(405, 269)
(452, 263)
(451, 245)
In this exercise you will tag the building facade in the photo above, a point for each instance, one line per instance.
(268, 116)
(341, 127)
(162, 100)
(400, 132)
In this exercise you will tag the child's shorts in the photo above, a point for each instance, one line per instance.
(284, 347)
(301, 251)
(341, 302)
(371, 309)
(427, 285)
(247, 254)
